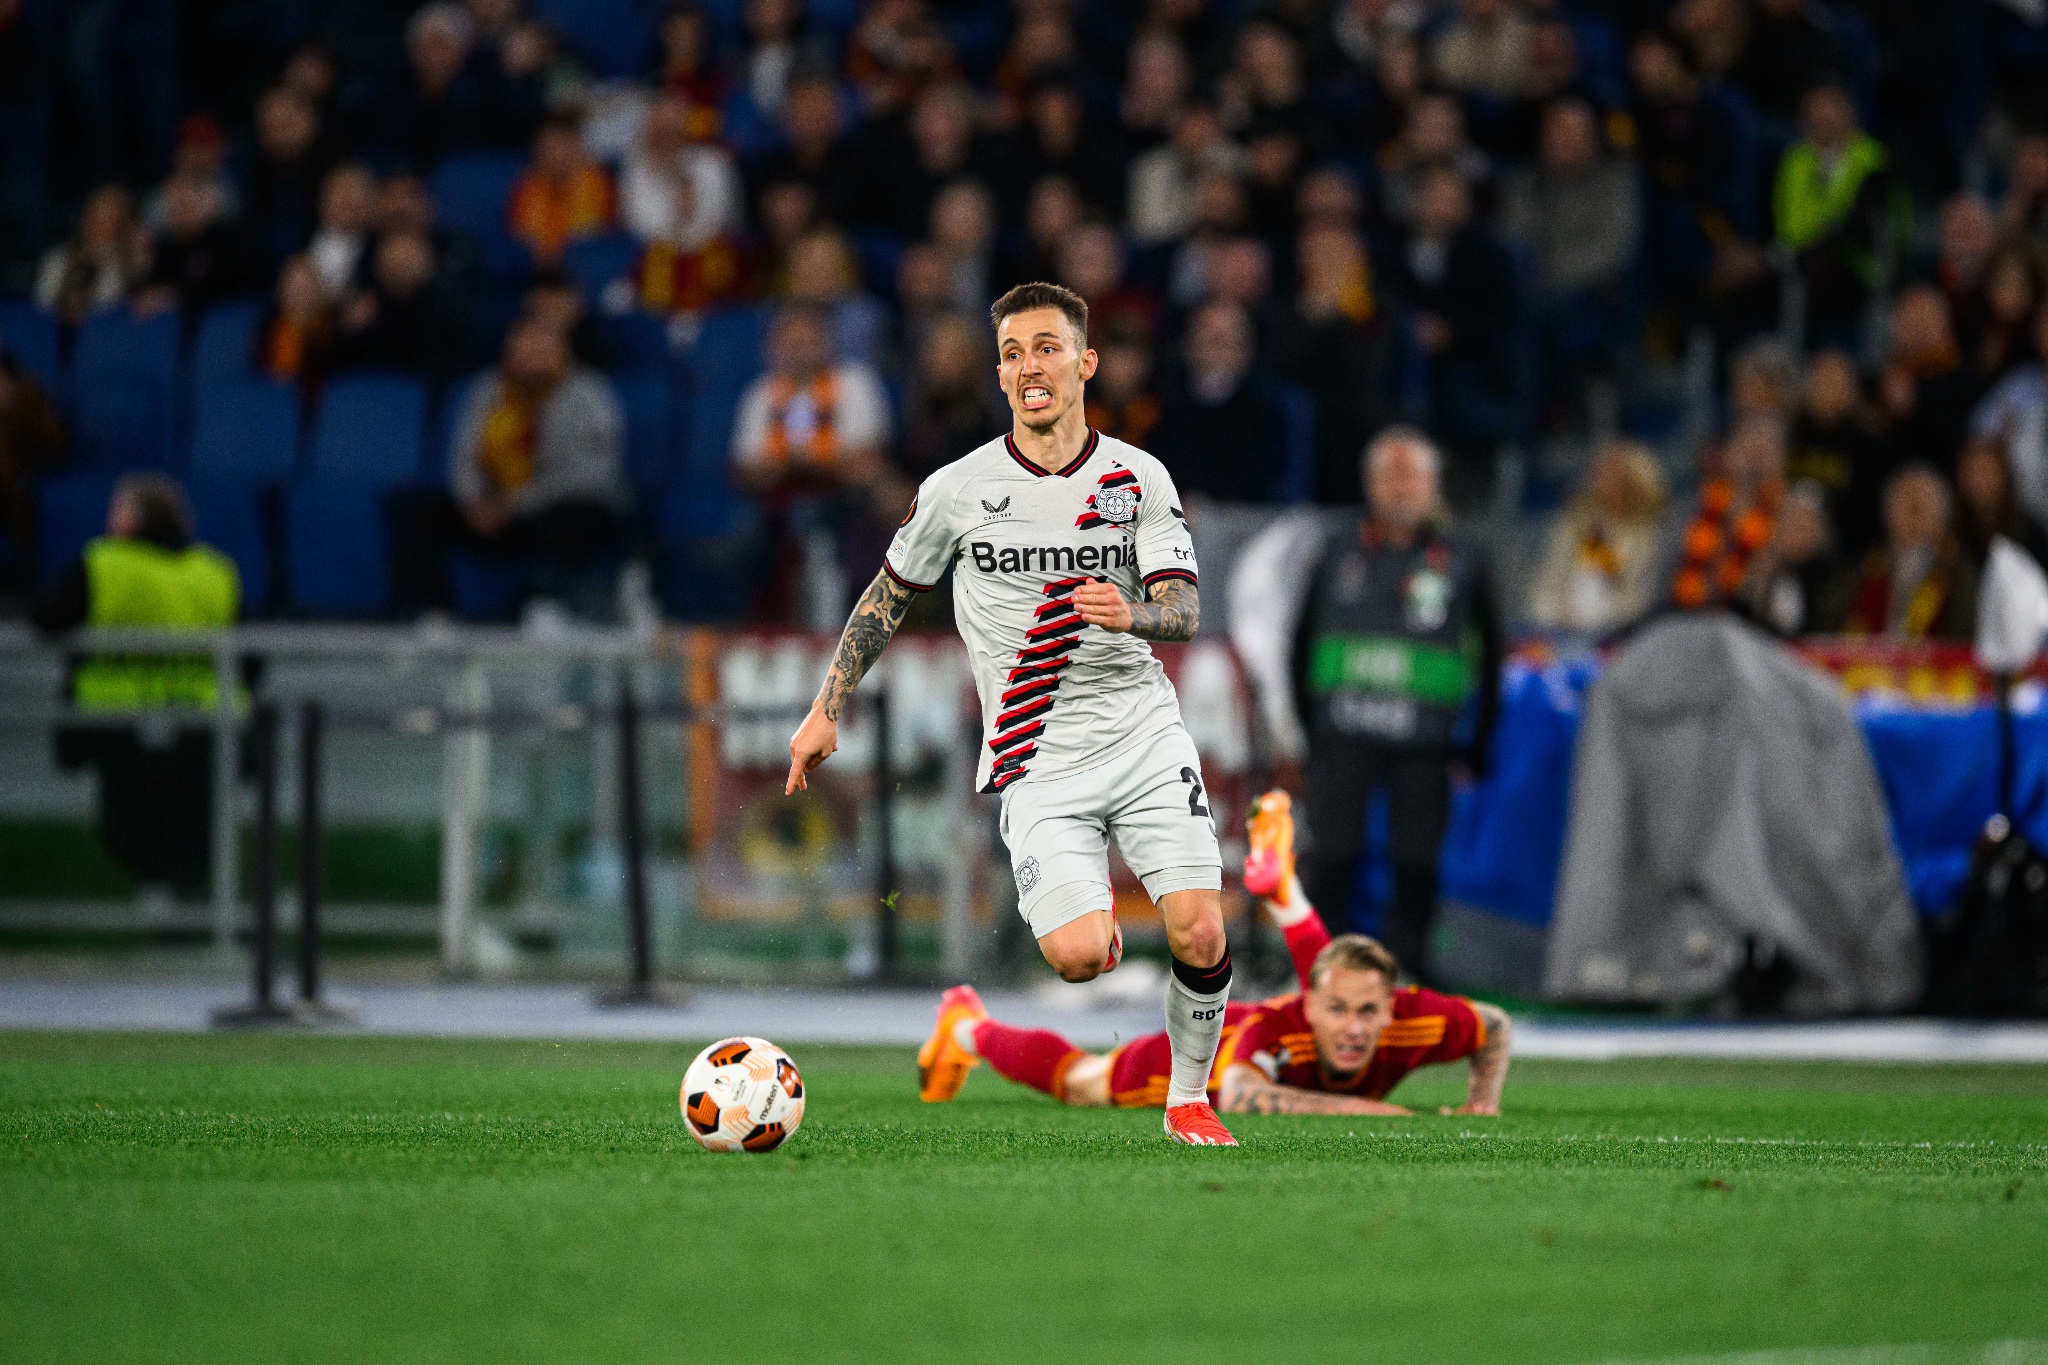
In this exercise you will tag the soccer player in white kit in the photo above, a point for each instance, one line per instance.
(1069, 551)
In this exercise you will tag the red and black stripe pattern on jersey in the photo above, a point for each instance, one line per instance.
(1114, 501)
(1028, 690)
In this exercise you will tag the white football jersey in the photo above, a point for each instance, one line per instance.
(1057, 695)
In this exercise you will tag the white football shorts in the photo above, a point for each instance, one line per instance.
(1149, 798)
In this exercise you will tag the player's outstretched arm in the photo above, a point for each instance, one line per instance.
(1489, 1065)
(1247, 1091)
(1172, 611)
(867, 634)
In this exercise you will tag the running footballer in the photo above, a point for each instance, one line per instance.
(1069, 552)
(1338, 1046)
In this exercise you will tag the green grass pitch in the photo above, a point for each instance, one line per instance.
(258, 1199)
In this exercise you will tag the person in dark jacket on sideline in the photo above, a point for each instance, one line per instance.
(1398, 630)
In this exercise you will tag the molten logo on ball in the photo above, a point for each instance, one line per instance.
(742, 1095)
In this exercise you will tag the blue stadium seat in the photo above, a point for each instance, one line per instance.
(638, 341)
(370, 427)
(337, 548)
(228, 514)
(615, 37)
(244, 427)
(225, 345)
(728, 356)
(472, 189)
(649, 401)
(124, 390)
(70, 510)
(441, 430)
(707, 551)
(481, 589)
(31, 337)
(594, 262)
(1295, 480)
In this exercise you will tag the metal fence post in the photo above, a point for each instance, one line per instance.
(226, 853)
(312, 863)
(262, 1007)
(633, 836)
(465, 774)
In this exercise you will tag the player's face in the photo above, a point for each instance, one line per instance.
(1346, 1013)
(1042, 365)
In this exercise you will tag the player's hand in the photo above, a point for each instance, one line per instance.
(1489, 1111)
(816, 740)
(1100, 604)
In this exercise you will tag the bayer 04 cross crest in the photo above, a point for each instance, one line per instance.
(1117, 506)
(1027, 875)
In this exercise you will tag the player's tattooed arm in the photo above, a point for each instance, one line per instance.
(867, 634)
(1246, 1091)
(1173, 613)
(1489, 1065)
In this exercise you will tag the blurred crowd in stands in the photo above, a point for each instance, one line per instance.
(1751, 295)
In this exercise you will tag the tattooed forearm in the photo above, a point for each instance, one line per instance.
(867, 633)
(1173, 613)
(1245, 1091)
(1489, 1065)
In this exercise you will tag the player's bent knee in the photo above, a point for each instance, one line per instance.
(1194, 926)
(1079, 949)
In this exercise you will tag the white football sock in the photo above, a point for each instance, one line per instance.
(963, 1033)
(1194, 1027)
(1291, 906)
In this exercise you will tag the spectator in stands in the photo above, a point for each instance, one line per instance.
(1460, 291)
(1801, 583)
(535, 474)
(1988, 505)
(1924, 393)
(1161, 183)
(1219, 437)
(296, 342)
(940, 147)
(1052, 214)
(1156, 81)
(96, 267)
(823, 273)
(405, 319)
(1599, 569)
(31, 445)
(1788, 48)
(2002, 313)
(1577, 212)
(674, 189)
(1267, 78)
(1830, 207)
(1968, 237)
(811, 443)
(556, 299)
(147, 571)
(563, 196)
(2025, 207)
(1121, 399)
(340, 247)
(1484, 50)
(1514, 134)
(773, 50)
(1432, 138)
(1715, 34)
(1273, 157)
(1763, 381)
(1835, 448)
(689, 67)
(924, 291)
(1918, 584)
(953, 406)
(199, 155)
(963, 231)
(896, 54)
(1734, 519)
(449, 98)
(2016, 412)
(1398, 77)
(1060, 139)
(195, 259)
(285, 173)
(1329, 197)
(1332, 339)
(814, 151)
(1091, 263)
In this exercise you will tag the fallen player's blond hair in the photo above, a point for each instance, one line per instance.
(1353, 953)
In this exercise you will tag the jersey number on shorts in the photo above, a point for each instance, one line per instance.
(1194, 781)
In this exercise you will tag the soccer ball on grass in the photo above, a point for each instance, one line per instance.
(742, 1095)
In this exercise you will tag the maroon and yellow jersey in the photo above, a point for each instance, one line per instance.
(1426, 1028)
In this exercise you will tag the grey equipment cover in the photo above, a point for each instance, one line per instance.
(1722, 791)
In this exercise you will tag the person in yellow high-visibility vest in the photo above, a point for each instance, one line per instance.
(146, 573)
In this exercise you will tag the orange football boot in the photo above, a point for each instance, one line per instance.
(1269, 867)
(942, 1064)
(1197, 1125)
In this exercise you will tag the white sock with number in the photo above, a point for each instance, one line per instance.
(1195, 1000)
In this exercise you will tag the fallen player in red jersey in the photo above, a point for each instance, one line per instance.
(1336, 1047)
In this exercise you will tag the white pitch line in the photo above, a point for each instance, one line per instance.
(1924, 1353)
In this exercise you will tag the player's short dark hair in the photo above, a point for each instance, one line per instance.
(1026, 297)
(1353, 953)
